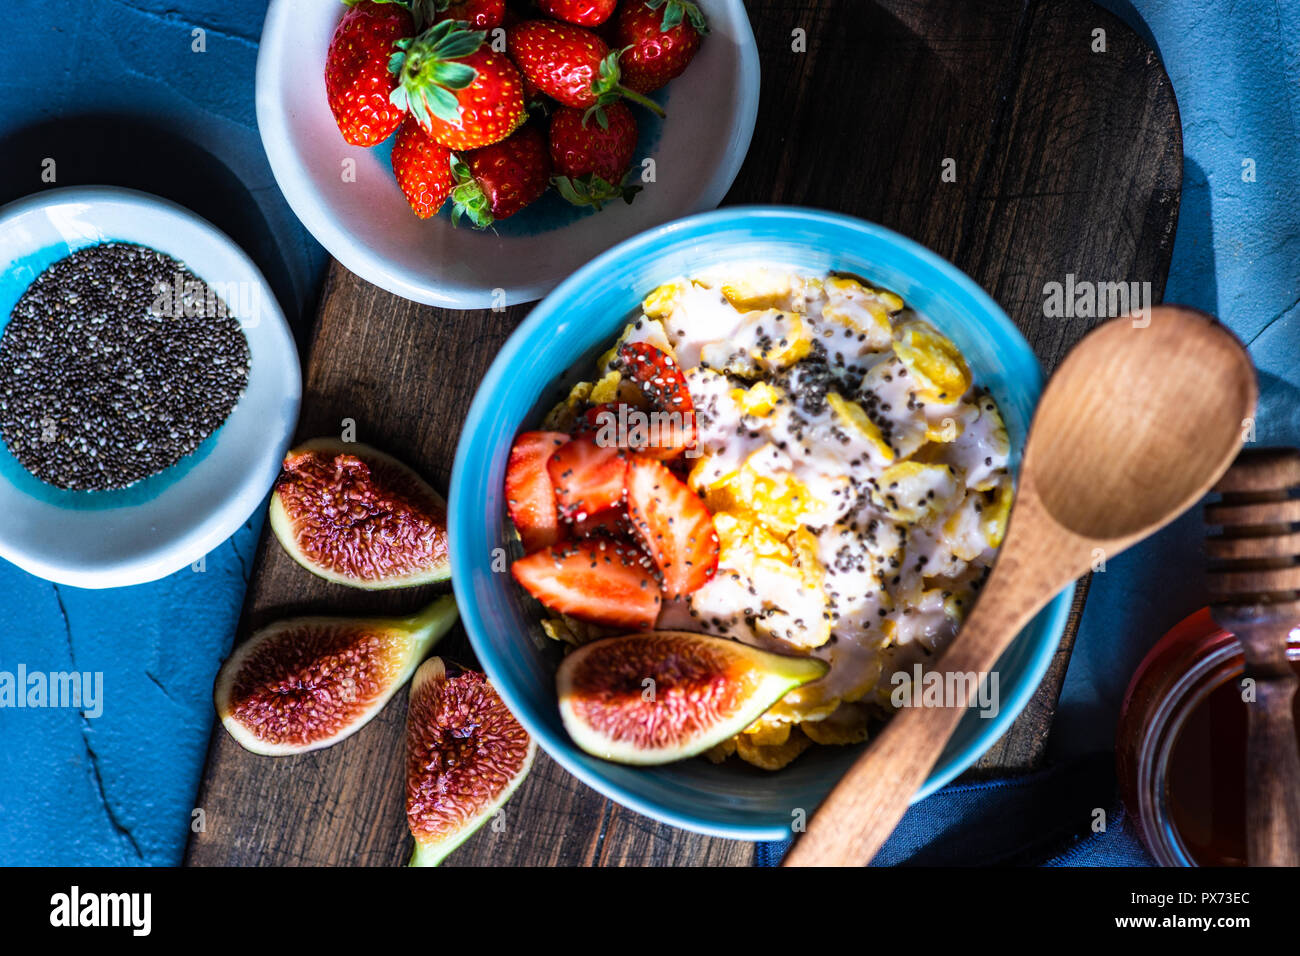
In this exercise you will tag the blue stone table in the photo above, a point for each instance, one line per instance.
(160, 107)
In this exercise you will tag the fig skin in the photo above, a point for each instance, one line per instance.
(249, 677)
(706, 690)
(436, 772)
(428, 509)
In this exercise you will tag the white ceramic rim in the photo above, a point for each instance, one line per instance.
(307, 204)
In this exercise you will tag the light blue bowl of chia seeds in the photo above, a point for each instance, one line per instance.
(169, 520)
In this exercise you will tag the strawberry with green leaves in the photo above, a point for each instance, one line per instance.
(592, 155)
(358, 84)
(423, 169)
(571, 65)
(659, 38)
(584, 13)
(497, 181)
(465, 95)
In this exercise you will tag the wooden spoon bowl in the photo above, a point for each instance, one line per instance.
(1137, 424)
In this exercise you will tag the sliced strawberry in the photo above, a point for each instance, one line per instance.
(588, 477)
(662, 381)
(530, 496)
(601, 582)
(657, 374)
(639, 430)
(604, 416)
(673, 525)
(612, 523)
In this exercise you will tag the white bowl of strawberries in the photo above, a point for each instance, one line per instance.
(472, 155)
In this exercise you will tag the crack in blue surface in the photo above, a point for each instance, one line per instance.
(173, 18)
(97, 776)
(159, 684)
(1281, 315)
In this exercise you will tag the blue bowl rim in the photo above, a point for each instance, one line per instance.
(558, 746)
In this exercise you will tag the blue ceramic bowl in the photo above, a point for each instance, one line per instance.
(551, 349)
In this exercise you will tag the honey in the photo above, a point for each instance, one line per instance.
(1206, 776)
(1181, 746)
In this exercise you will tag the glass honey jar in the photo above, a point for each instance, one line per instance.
(1181, 745)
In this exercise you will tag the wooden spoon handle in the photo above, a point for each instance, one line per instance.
(865, 806)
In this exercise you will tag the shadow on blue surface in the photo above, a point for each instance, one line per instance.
(1195, 240)
(122, 150)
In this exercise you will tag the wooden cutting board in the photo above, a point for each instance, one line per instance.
(1066, 160)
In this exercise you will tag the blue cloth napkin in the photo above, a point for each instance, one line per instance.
(1045, 818)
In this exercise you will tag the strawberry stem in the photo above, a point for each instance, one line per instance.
(677, 10)
(645, 101)
(428, 74)
(591, 190)
(468, 198)
(607, 88)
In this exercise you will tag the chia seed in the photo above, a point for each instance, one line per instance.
(102, 383)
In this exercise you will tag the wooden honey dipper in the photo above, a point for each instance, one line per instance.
(1254, 581)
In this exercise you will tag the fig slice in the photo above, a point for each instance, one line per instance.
(661, 696)
(356, 516)
(465, 755)
(307, 682)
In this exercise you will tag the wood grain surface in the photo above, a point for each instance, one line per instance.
(1067, 161)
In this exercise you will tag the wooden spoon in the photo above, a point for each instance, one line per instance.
(1254, 584)
(1136, 425)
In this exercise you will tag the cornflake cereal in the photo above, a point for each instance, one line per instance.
(857, 478)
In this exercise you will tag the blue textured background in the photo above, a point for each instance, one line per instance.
(113, 92)
(122, 98)
(1234, 67)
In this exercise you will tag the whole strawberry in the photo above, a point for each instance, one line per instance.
(570, 64)
(423, 169)
(358, 84)
(657, 46)
(591, 159)
(462, 93)
(585, 13)
(497, 181)
(480, 14)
